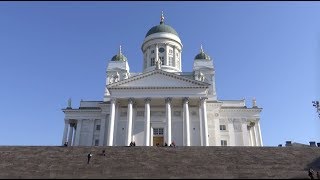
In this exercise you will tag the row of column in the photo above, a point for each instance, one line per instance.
(147, 135)
(74, 128)
(255, 134)
(70, 139)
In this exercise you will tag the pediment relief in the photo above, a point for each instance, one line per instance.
(158, 79)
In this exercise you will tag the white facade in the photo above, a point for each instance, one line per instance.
(162, 104)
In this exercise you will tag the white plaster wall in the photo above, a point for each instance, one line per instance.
(121, 133)
(86, 132)
(177, 132)
(138, 131)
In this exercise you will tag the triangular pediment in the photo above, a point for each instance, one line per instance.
(158, 79)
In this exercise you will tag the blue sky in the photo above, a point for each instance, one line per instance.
(50, 51)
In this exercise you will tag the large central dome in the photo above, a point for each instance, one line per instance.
(162, 28)
(162, 43)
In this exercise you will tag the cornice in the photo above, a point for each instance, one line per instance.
(155, 87)
(224, 109)
(81, 110)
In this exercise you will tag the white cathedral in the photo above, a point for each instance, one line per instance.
(162, 104)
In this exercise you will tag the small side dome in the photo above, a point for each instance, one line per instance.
(119, 57)
(202, 55)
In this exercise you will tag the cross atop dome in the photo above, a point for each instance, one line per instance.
(201, 49)
(161, 18)
(120, 50)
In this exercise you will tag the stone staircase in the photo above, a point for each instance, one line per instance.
(157, 162)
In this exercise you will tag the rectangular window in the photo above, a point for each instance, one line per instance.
(152, 51)
(170, 61)
(223, 143)
(162, 60)
(96, 142)
(152, 61)
(170, 51)
(98, 127)
(161, 131)
(157, 131)
(222, 127)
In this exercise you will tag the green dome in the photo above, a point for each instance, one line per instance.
(202, 55)
(119, 57)
(162, 28)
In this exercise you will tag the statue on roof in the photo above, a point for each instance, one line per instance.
(158, 64)
(116, 77)
(69, 103)
(201, 76)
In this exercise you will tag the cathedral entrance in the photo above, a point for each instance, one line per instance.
(158, 137)
(158, 140)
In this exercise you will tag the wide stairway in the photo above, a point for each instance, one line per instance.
(157, 162)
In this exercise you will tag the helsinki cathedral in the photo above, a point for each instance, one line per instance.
(162, 104)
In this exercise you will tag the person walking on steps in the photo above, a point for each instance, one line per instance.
(89, 157)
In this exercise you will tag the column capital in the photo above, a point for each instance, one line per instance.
(230, 120)
(203, 99)
(251, 124)
(113, 100)
(186, 100)
(130, 100)
(168, 99)
(73, 121)
(147, 100)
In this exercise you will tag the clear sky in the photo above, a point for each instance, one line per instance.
(50, 51)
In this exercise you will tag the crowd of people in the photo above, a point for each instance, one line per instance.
(311, 174)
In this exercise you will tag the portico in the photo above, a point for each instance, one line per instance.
(157, 114)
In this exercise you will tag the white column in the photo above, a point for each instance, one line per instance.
(166, 57)
(174, 57)
(78, 131)
(102, 131)
(231, 132)
(168, 114)
(260, 137)
(252, 142)
(201, 124)
(255, 135)
(147, 121)
(65, 132)
(157, 53)
(129, 116)
(244, 128)
(151, 135)
(111, 123)
(148, 57)
(74, 135)
(70, 134)
(204, 117)
(186, 119)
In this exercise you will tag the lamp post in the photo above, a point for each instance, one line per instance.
(317, 106)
